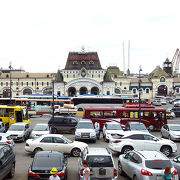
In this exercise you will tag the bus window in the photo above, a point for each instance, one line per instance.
(96, 114)
(43, 103)
(134, 115)
(1, 112)
(110, 114)
(125, 115)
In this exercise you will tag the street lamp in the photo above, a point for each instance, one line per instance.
(10, 68)
(140, 91)
(53, 80)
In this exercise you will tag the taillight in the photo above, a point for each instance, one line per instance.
(82, 171)
(175, 172)
(145, 172)
(31, 174)
(115, 172)
(116, 141)
(62, 173)
(27, 144)
(8, 142)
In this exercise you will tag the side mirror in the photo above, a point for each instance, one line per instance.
(155, 139)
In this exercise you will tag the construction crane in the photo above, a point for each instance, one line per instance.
(175, 63)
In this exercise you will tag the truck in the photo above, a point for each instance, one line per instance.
(67, 109)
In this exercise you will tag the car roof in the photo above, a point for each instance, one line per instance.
(112, 123)
(85, 120)
(20, 123)
(48, 153)
(52, 135)
(135, 122)
(152, 155)
(173, 124)
(136, 132)
(41, 124)
(98, 151)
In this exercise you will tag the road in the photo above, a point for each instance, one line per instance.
(23, 159)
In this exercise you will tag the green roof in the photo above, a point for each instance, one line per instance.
(114, 70)
(158, 72)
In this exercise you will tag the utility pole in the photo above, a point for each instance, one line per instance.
(140, 91)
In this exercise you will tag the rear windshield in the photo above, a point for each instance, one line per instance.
(157, 164)
(46, 163)
(100, 161)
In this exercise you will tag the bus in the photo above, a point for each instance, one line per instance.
(153, 118)
(7, 101)
(12, 114)
(106, 100)
(40, 106)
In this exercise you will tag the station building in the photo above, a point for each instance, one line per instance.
(83, 74)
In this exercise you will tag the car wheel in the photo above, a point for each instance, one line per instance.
(76, 152)
(37, 150)
(166, 150)
(54, 131)
(120, 170)
(134, 177)
(12, 172)
(126, 149)
(151, 127)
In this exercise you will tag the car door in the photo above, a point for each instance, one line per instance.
(151, 143)
(164, 131)
(72, 124)
(60, 145)
(46, 144)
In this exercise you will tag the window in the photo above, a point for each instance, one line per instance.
(47, 83)
(47, 140)
(134, 91)
(120, 83)
(37, 83)
(6, 83)
(21, 83)
(108, 92)
(136, 137)
(147, 91)
(96, 114)
(17, 83)
(58, 140)
(32, 83)
(42, 83)
(27, 83)
(162, 79)
(1, 83)
(148, 137)
(110, 114)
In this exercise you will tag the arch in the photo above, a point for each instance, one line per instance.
(47, 91)
(27, 91)
(147, 90)
(95, 90)
(6, 93)
(162, 79)
(162, 90)
(71, 91)
(117, 91)
(83, 90)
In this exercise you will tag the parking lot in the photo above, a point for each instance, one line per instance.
(23, 159)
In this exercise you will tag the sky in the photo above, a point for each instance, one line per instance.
(37, 35)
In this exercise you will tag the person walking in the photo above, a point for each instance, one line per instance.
(54, 175)
(86, 171)
(167, 174)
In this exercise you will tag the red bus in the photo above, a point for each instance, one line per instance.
(153, 118)
(40, 106)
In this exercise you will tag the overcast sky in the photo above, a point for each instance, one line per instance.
(38, 34)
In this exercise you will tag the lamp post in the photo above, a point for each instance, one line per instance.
(10, 68)
(140, 91)
(53, 80)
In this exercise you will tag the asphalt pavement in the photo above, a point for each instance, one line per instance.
(23, 159)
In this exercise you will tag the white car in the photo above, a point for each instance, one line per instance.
(6, 139)
(171, 131)
(110, 129)
(39, 130)
(140, 141)
(19, 131)
(55, 142)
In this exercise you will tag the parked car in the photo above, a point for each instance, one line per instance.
(176, 163)
(142, 141)
(157, 102)
(39, 130)
(44, 161)
(170, 114)
(2, 127)
(135, 126)
(176, 100)
(19, 131)
(6, 139)
(171, 131)
(101, 164)
(85, 130)
(162, 99)
(7, 161)
(112, 129)
(60, 124)
(144, 165)
(176, 111)
(55, 142)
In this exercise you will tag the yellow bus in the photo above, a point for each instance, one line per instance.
(12, 114)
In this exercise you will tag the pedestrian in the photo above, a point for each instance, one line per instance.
(54, 175)
(86, 171)
(167, 174)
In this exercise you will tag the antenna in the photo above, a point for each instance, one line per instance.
(123, 59)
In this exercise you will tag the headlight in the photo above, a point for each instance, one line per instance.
(93, 134)
(77, 133)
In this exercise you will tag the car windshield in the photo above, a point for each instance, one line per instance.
(41, 127)
(66, 139)
(99, 161)
(16, 128)
(85, 126)
(46, 163)
(114, 127)
(138, 127)
(174, 128)
(158, 164)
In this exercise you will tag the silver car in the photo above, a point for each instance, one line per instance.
(101, 164)
(144, 165)
(6, 139)
(176, 163)
(171, 131)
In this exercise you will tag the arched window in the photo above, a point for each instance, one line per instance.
(134, 90)
(27, 83)
(6, 83)
(32, 83)
(162, 79)
(117, 91)
(147, 90)
(21, 83)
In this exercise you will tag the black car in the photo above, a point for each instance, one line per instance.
(7, 161)
(44, 161)
(176, 111)
(60, 124)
